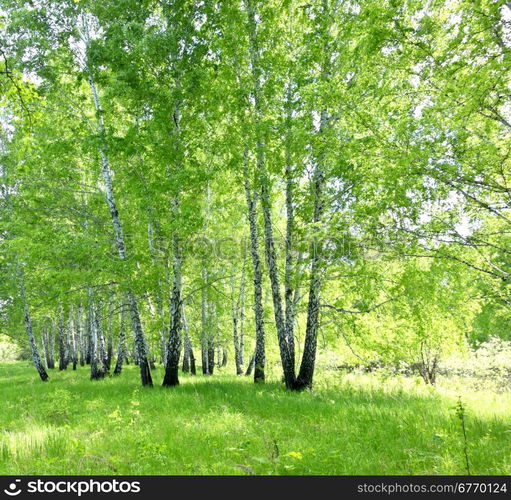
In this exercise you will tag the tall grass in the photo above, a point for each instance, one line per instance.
(350, 424)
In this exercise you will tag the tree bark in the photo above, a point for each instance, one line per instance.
(174, 345)
(205, 326)
(158, 296)
(100, 337)
(48, 347)
(251, 198)
(72, 338)
(236, 314)
(81, 336)
(121, 348)
(289, 273)
(88, 325)
(242, 315)
(211, 355)
(63, 354)
(51, 346)
(250, 366)
(262, 177)
(306, 373)
(97, 368)
(30, 333)
(110, 346)
(188, 356)
(145, 372)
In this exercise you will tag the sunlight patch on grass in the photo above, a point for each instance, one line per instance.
(34, 441)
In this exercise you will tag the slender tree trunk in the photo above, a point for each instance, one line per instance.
(217, 343)
(51, 347)
(211, 339)
(242, 312)
(271, 255)
(188, 356)
(140, 343)
(305, 376)
(204, 322)
(193, 368)
(89, 326)
(44, 340)
(159, 300)
(250, 366)
(98, 369)
(211, 356)
(72, 338)
(81, 336)
(237, 350)
(289, 272)
(204, 359)
(100, 337)
(63, 355)
(286, 350)
(110, 346)
(236, 320)
(163, 329)
(48, 348)
(121, 348)
(69, 342)
(145, 372)
(251, 197)
(174, 345)
(101, 341)
(309, 351)
(28, 323)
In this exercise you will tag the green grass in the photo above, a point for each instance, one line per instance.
(226, 425)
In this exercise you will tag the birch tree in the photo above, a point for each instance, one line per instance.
(140, 341)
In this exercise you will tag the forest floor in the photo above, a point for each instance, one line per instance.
(349, 424)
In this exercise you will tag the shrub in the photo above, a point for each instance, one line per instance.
(489, 360)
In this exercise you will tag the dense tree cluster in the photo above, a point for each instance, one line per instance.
(184, 181)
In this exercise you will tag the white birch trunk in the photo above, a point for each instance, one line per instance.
(140, 342)
(36, 358)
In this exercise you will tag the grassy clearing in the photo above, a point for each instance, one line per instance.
(350, 424)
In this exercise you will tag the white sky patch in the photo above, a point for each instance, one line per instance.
(32, 78)
(200, 20)
(506, 24)
(389, 48)
(316, 120)
(417, 112)
(89, 29)
(352, 7)
(416, 19)
(464, 227)
(78, 49)
(454, 19)
(506, 109)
